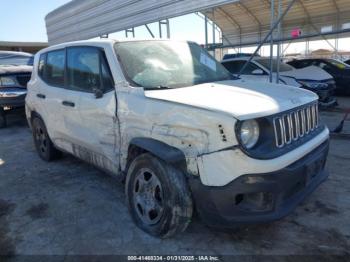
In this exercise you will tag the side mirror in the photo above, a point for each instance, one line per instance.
(257, 72)
(98, 92)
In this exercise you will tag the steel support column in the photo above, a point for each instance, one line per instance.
(206, 31)
(166, 23)
(280, 18)
(131, 30)
(279, 43)
(272, 14)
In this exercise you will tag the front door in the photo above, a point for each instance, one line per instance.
(92, 123)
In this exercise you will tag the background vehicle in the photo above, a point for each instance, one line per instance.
(230, 56)
(339, 70)
(15, 72)
(168, 118)
(347, 62)
(311, 78)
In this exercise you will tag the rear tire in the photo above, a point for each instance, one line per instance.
(158, 196)
(42, 141)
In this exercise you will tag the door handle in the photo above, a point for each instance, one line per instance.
(41, 96)
(68, 103)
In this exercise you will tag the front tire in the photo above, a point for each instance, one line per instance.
(42, 141)
(158, 196)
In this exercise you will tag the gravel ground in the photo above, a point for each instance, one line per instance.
(69, 207)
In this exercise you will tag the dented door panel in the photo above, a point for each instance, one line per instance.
(96, 137)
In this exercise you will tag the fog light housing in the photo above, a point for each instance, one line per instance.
(258, 201)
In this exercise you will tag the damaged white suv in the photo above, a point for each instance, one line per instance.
(169, 119)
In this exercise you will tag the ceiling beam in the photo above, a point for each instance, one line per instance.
(313, 25)
(267, 4)
(233, 21)
(229, 17)
(336, 7)
(249, 13)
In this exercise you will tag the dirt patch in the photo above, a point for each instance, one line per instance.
(38, 211)
(325, 210)
(322, 209)
(5, 208)
(329, 241)
(7, 246)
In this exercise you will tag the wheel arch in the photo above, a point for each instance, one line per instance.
(163, 151)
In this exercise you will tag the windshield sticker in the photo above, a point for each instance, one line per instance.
(207, 61)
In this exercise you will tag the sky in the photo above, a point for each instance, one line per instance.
(24, 20)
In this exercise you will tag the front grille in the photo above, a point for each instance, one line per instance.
(23, 79)
(294, 125)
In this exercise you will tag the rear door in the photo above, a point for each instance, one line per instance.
(92, 124)
(51, 93)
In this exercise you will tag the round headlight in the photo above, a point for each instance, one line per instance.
(249, 133)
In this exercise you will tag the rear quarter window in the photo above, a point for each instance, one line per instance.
(53, 71)
(41, 65)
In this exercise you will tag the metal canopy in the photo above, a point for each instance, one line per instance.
(247, 21)
(84, 19)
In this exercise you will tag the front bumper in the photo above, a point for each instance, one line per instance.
(259, 198)
(12, 97)
(326, 97)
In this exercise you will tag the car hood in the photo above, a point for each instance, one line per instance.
(11, 69)
(312, 73)
(239, 98)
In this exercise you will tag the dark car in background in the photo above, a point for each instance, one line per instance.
(339, 70)
(230, 56)
(15, 73)
(311, 78)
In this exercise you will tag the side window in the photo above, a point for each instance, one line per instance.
(324, 66)
(41, 66)
(87, 69)
(250, 68)
(303, 64)
(54, 68)
(83, 68)
(234, 67)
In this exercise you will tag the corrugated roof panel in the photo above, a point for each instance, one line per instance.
(308, 15)
(241, 21)
(83, 19)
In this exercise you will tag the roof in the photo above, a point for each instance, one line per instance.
(91, 42)
(244, 58)
(98, 42)
(11, 53)
(247, 21)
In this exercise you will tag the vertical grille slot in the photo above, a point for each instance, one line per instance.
(295, 125)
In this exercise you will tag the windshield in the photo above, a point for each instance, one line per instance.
(14, 59)
(168, 64)
(338, 63)
(266, 63)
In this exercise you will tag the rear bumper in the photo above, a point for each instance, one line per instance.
(259, 198)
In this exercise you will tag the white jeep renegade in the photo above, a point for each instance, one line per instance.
(169, 119)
